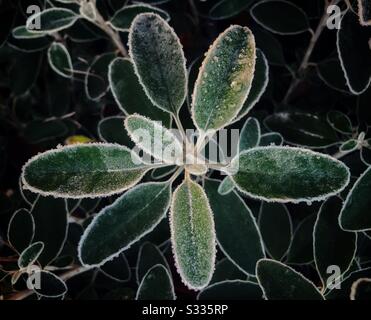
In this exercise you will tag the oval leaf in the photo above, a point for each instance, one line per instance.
(51, 20)
(112, 130)
(124, 17)
(355, 215)
(161, 68)
(270, 14)
(21, 229)
(285, 174)
(60, 60)
(51, 286)
(30, 255)
(224, 80)
(124, 222)
(225, 9)
(269, 139)
(339, 121)
(154, 139)
(226, 186)
(237, 233)
(156, 285)
(332, 246)
(80, 171)
(250, 134)
(117, 269)
(192, 235)
(280, 282)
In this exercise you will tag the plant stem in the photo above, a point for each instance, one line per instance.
(308, 53)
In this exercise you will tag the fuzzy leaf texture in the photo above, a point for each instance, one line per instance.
(80, 171)
(192, 235)
(285, 174)
(158, 61)
(224, 80)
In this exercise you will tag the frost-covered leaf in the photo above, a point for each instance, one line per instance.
(124, 17)
(225, 269)
(332, 75)
(224, 80)
(236, 230)
(192, 235)
(112, 130)
(225, 9)
(332, 246)
(231, 290)
(355, 212)
(301, 249)
(149, 255)
(129, 94)
(156, 285)
(226, 186)
(160, 173)
(21, 32)
(81, 171)
(281, 17)
(339, 121)
(303, 129)
(51, 20)
(361, 289)
(285, 174)
(354, 52)
(60, 60)
(50, 216)
(51, 286)
(154, 139)
(158, 61)
(272, 138)
(117, 269)
(124, 222)
(258, 85)
(280, 282)
(250, 134)
(364, 12)
(21, 229)
(30, 254)
(96, 79)
(276, 229)
(349, 145)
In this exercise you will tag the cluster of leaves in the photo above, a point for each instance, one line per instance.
(289, 206)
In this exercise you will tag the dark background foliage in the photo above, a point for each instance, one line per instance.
(39, 110)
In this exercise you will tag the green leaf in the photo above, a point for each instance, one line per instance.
(50, 216)
(118, 226)
(225, 9)
(272, 138)
(129, 94)
(149, 255)
(349, 146)
(224, 80)
(301, 249)
(303, 129)
(117, 269)
(332, 246)
(51, 20)
(96, 79)
(112, 130)
(231, 290)
(237, 233)
(60, 60)
(276, 229)
(270, 14)
(154, 139)
(250, 134)
(159, 61)
(258, 85)
(354, 52)
(30, 255)
(21, 32)
(226, 186)
(51, 286)
(80, 171)
(339, 121)
(156, 285)
(225, 269)
(21, 229)
(354, 214)
(192, 235)
(285, 174)
(280, 282)
(124, 17)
